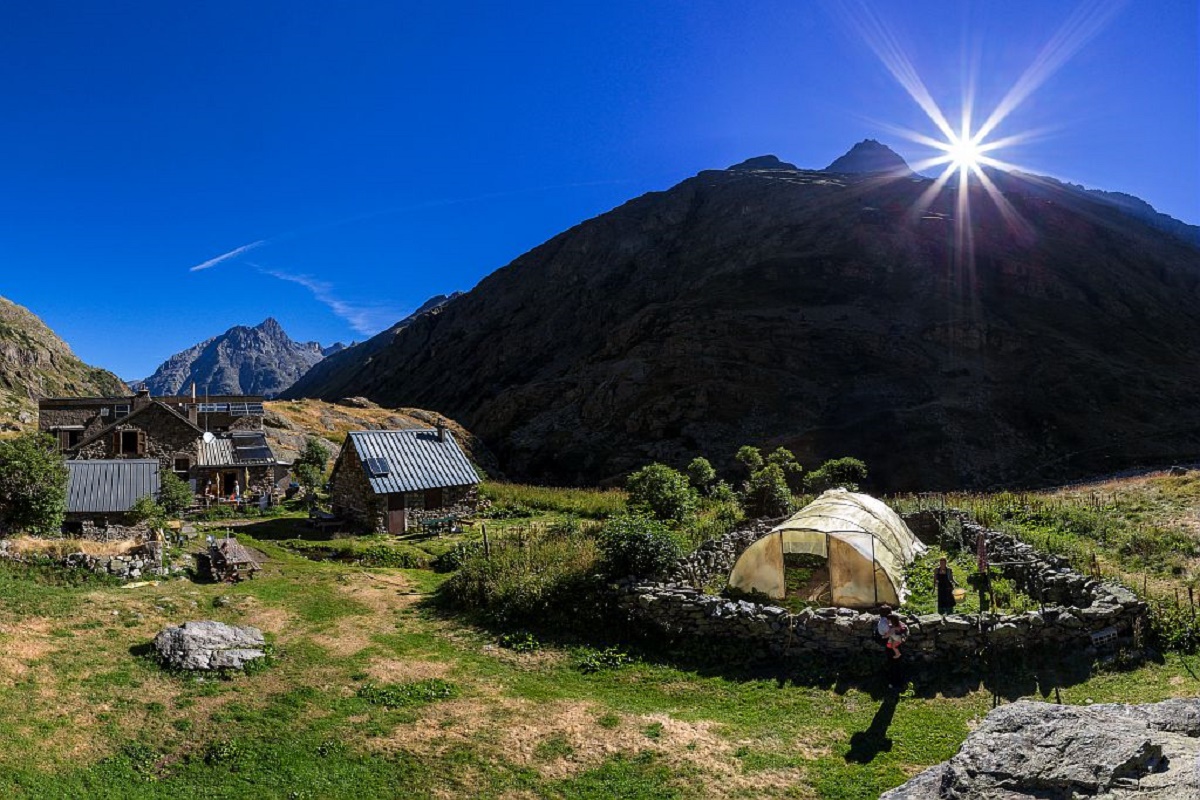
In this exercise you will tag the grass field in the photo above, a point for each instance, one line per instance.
(376, 691)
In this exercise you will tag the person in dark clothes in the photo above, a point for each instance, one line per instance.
(943, 580)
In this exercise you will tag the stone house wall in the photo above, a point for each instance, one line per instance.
(676, 607)
(167, 437)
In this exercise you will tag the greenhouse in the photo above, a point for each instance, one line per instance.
(865, 544)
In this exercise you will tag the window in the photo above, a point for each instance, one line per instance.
(182, 466)
(131, 443)
(121, 410)
(68, 438)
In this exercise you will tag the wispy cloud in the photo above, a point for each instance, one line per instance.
(367, 320)
(234, 253)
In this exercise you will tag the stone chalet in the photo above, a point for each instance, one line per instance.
(390, 481)
(216, 444)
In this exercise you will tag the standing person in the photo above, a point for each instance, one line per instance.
(881, 625)
(943, 579)
(897, 635)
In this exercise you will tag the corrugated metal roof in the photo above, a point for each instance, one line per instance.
(416, 460)
(109, 487)
(241, 449)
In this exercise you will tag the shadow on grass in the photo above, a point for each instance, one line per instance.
(865, 745)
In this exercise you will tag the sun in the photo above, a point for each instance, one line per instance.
(964, 152)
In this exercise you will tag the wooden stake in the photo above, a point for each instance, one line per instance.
(487, 545)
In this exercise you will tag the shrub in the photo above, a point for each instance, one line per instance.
(750, 458)
(33, 484)
(722, 492)
(662, 492)
(174, 494)
(847, 473)
(144, 509)
(455, 557)
(701, 474)
(636, 545)
(594, 661)
(767, 493)
(543, 582)
(786, 461)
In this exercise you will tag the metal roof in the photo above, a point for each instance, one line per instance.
(109, 487)
(237, 449)
(416, 460)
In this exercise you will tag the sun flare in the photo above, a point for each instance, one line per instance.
(964, 152)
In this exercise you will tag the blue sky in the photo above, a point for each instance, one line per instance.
(384, 152)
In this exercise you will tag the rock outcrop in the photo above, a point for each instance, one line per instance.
(34, 362)
(209, 646)
(825, 312)
(1031, 749)
(262, 360)
(870, 156)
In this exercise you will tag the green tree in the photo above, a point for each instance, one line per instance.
(309, 477)
(767, 493)
(701, 474)
(749, 457)
(33, 484)
(174, 494)
(847, 473)
(662, 492)
(314, 453)
(146, 510)
(786, 460)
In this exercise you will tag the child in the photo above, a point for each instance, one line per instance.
(897, 633)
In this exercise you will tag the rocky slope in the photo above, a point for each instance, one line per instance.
(288, 424)
(814, 309)
(261, 360)
(338, 375)
(34, 363)
(1032, 749)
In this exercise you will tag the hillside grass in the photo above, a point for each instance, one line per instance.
(377, 689)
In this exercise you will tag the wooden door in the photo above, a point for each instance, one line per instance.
(397, 515)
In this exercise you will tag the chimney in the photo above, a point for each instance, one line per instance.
(441, 430)
(142, 398)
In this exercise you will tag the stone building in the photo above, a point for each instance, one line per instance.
(217, 441)
(390, 481)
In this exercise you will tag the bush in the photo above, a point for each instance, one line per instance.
(33, 484)
(664, 493)
(455, 557)
(786, 461)
(145, 510)
(174, 494)
(750, 458)
(635, 545)
(545, 582)
(846, 473)
(701, 474)
(767, 493)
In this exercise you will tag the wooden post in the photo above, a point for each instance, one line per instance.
(487, 545)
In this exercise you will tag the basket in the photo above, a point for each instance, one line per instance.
(960, 595)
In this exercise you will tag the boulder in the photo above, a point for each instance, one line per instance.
(209, 645)
(1030, 749)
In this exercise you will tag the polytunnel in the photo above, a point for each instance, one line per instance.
(865, 543)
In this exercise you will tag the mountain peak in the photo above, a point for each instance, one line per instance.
(270, 325)
(763, 162)
(869, 156)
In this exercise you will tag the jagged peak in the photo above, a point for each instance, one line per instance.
(870, 156)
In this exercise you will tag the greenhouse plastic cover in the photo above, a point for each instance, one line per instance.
(866, 544)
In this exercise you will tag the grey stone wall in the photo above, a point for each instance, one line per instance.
(167, 437)
(352, 498)
(677, 607)
(137, 564)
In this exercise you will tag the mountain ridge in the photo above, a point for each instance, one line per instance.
(258, 360)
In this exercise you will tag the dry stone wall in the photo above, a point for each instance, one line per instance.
(1076, 607)
(142, 562)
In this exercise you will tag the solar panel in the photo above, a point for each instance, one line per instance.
(255, 454)
(378, 467)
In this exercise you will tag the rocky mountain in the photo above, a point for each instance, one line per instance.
(260, 360)
(337, 376)
(869, 156)
(824, 311)
(34, 363)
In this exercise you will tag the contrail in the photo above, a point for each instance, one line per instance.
(237, 251)
(367, 320)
